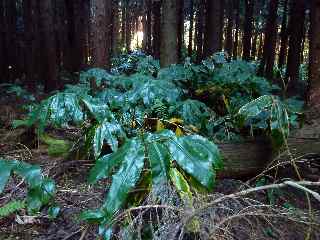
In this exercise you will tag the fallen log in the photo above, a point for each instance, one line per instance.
(250, 158)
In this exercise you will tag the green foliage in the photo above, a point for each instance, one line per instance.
(197, 157)
(11, 207)
(57, 147)
(17, 90)
(58, 110)
(192, 112)
(267, 112)
(126, 124)
(41, 190)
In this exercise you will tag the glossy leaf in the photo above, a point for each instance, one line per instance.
(159, 157)
(108, 132)
(198, 157)
(125, 179)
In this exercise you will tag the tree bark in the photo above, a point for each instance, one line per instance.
(236, 35)
(229, 39)
(128, 26)
(31, 38)
(190, 43)
(169, 33)
(248, 27)
(267, 63)
(156, 12)
(314, 64)
(2, 44)
(100, 53)
(200, 30)
(10, 37)
(180, 15)
(296, 25)
(213, 29)
(115, 28)
(284, 36)
(49, 52)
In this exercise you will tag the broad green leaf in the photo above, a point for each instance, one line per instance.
(197, 156)
(5, 171)
(255, 107)
(192, 112)
(100, 111)
(125, 179)
(92, 216)
(109, 132)
(181, 185)
(159, 157)
(105, 164)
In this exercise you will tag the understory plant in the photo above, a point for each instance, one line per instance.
(151, 127)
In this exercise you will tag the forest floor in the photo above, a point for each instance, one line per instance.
(74, 194)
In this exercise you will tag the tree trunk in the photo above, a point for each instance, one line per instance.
(190, 46)
(200, 30)
(296, 25)
(31, 38)
(284, 36)
(314, 65)
(2, 44)
(156, 12)
(100, 56)
(267, 63)
(169, 33)
(236, 35)
(213, 29)
(123, 25)
(49, 52)
(115, 29)
(229, 39)
(10, 29)
(128, 26)
(180, 15)
(248, 27)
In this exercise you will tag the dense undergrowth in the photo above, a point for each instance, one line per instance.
(150, 128)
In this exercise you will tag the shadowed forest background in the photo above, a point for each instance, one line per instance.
(159, 119)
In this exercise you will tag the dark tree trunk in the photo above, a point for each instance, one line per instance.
(248, 27)
(169, 33)
(149, 27)
(200, 30)
(115, 28)
(191, 29)
(236, 35)
(296, 25)
(99, 39)
(31, 38)
(229, 39)
(128, 26)
(156, 12)
(48, 48)
(254, 46)
(10, 29)
(213, 30)
(180, 15)
(80, 33)
(3, 63)
(267, 63)
(314, 74)
(261, 43)
(284, 36)
(123, 25)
